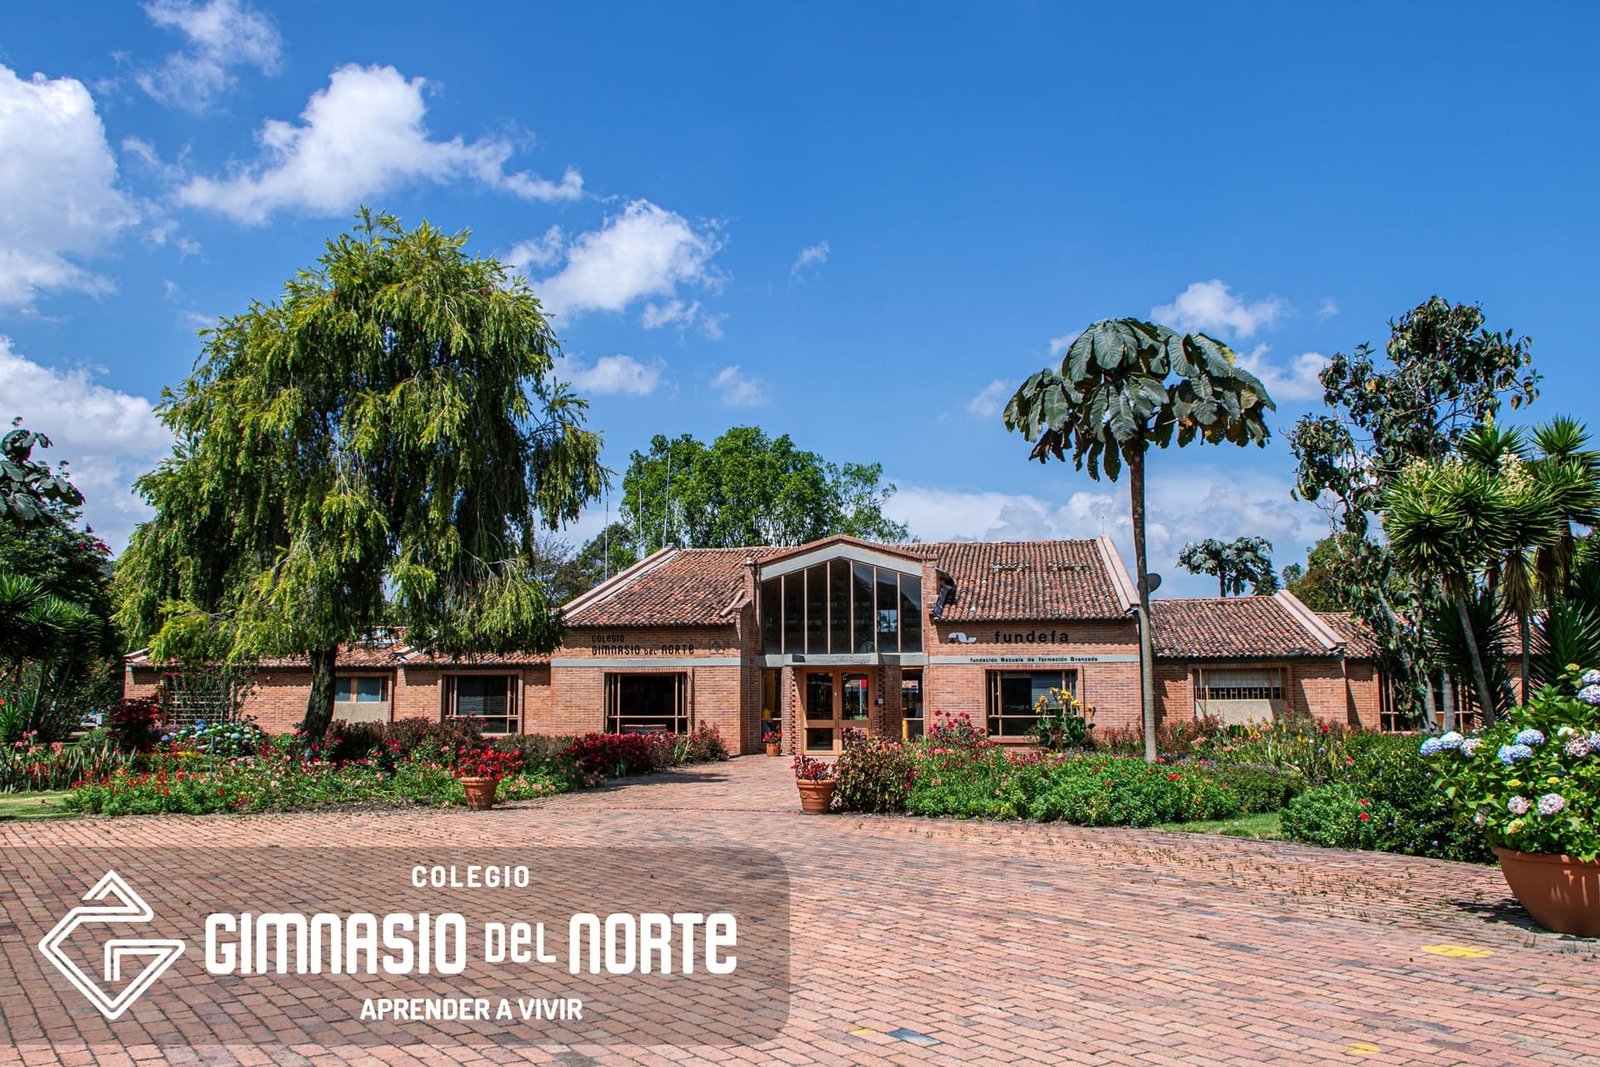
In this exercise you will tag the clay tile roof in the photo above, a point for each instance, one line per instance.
(1359, 642)
(684, 587)
(1026, 580)
(384, 653)
(1231, 627)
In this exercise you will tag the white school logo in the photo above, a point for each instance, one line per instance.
(160, 953)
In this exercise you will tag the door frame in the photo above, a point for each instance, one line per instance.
(835, 721)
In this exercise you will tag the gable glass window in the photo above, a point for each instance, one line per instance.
(1013, 696)
(360, 690)
(491, 699)
(841, 607)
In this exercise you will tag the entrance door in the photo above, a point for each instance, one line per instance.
(835, 701)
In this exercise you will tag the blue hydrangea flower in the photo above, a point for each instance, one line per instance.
(1590, 677)
(1451, 740)
(1551, 803)
(1529, 737)
(1594, 742)
(1510, 754)
(1590, 694)
(1430, 747)
(1578, 747)
(1518, 805)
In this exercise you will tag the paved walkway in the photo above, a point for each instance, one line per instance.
(919, 941)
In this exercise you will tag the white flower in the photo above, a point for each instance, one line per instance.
(1518, 805)
(1470, 746)
(1551, 803)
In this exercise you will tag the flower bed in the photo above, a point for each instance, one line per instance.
(955, 772)
(408, 762)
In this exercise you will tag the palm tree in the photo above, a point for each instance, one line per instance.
(1532, 525)
(1124, 385)
(1446, 521)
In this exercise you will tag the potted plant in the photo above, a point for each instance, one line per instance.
(773, 739)
(1532, 782)
(816, 780)
(480, 771)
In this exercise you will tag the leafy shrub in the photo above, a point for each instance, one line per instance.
(347, 741)
(874, 775)
(705, 745)
(617, 755)
(134, 723)
(1261, 789)
(30, 764)
(218, 740)
(438, 740)
(1338, 816)
(1063, 722)
(1531, 781)
(1389, 768)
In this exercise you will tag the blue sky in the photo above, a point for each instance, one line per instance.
(857, 224)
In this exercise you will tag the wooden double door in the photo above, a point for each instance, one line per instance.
(834, 700)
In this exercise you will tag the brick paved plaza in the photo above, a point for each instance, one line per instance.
(917, 941)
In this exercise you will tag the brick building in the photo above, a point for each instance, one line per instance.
(843, 634)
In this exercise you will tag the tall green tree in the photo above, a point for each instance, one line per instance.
(1446, 520)
(746, 488)
(57, 644)
(1235, 564)
(30, 489)
(1441, 374)
(1123, 386)
(379, 445)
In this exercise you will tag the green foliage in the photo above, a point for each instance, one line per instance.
(746, 488)
(1324, 583)
(31, 493)
(1532, 781)
(1063, 722)
(874, 775)
(409, 762)
(1233, 563)
(30, 764)
(1338, 816)
(379, 445)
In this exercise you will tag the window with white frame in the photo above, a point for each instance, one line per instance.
(368, 689)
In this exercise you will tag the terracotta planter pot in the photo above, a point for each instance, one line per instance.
(480, 792)
(1561, 893)
(815, 797)
(774, 748)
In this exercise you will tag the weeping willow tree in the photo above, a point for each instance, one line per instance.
(380, 445)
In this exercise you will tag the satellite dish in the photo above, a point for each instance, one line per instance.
(1150, 583)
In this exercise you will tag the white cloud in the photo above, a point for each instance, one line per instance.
(107, 437)
(612, 375)
(647, 251)
(738, 389)
(671, 313)
(59, 199)
(1298, 381)
(1329, 308)
(810, 256)
(1192, 502)
(1210, 307)
(220, 35)
(991, 399)
(535, 251)
(360, 137)
(1059, 345)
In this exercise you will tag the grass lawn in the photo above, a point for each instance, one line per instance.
(1268, 826)
(45, 805)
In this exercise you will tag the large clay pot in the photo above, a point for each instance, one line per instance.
(815, 797)
(480, 792)
(774, 748)
(1561, 893)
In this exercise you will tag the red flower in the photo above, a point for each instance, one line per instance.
(1365, 816)
(1173, 777)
